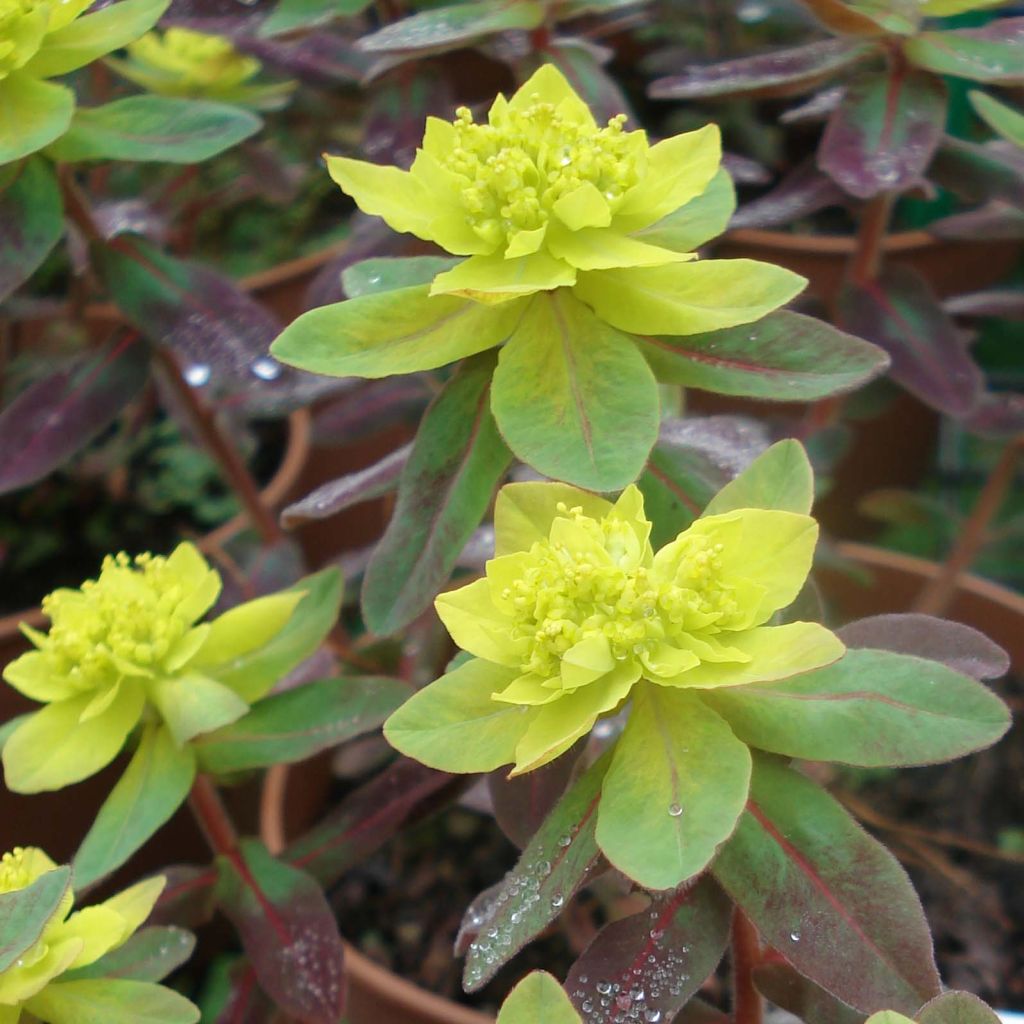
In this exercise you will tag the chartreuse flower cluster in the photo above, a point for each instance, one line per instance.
(42, 39)
(127, 648)
(198, 65)
(43, 973)
(577, 238)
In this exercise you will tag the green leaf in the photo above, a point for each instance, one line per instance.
(676, 787)
(155, 129)
(153, 787)
(871, 708)
(573, 398)
(252, 674)
(24, 913)
(1007, 121)
(956, 1008)
(454, 725)
(447, 485)
(32, 114)
(386, 273)
(992, 54)
(191, 704)
(700, 220)
(784, 356)
(289, 15)
(103, 1001)
(298, 723)
(780, 478)
(538, 999)
(11, 726)
(400, 331)
(446, 26)
(866, 17)
(31, 220)
(555, 864)
(833, 901)
(149, 955)
(83, 40)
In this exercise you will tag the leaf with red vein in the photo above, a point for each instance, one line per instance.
(646, 967)
(556, 863)
(832, 900)
(287, 929)
(31, 220)
(187, 899)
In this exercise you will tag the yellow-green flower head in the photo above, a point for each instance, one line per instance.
(41, 39)
(577, 607)
(125, 645)
(197, 65)
(33, 983)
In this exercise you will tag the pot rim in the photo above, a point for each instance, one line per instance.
(300, 430)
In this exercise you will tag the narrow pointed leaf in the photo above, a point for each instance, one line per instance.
(31, 220)
(991, 172)
(153, 787)
(556, 862)
(24, 913)
(885, 132)
(656, 960)
(784, 356)
(779, 478)
(991, 54)
(287, 929)
(387, 273)
(1005, 120)
(866, 17)
(901, 314)
(296, 724)
(797, 866)
(573, 398)
(457, 461)
(804, 191)
(149, 955)
(289, 15)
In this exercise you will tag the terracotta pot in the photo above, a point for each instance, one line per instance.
(951, 266)
(378, 996)
(57, 821)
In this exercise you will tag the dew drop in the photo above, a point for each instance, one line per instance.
(675, 810)
(794, 936)
(603, 987)
(266, 368)
(557, 900)
(197, 374)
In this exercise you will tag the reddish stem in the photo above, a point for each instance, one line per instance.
(212, 815)
(748, 1006)
(874, 224)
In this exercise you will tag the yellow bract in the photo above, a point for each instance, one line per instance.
(25, 23)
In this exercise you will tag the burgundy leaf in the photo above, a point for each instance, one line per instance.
(884, 133)
(367, 818)
(960, 647)
(781, 73)
(817, 108)
(790, 990)
(696, 1011)
(62, 412)
(804, 191)
(245, 1002)
(1008, 304)
(647, 966)
(187, 899)
(745, 171)
(369, 408)
(979, 173)
(995, 220)
(583, 64)
(221, 17)
(900, 313)
(396, 110)
(998, 414)
(319, 58)
(31, 220)
(287, 929)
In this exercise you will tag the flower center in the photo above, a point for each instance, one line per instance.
(14, 873)
(517, 168)
(22, 27)
(125, 622)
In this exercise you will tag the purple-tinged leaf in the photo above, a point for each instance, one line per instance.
(803, 191)
(456, 462)
(957, 1008)
(289, 15)
(979, 173)
(745, 171)
(790, 990)
(885, 132)
(782, 73)
(346, 491)
(31, 220)
(130, 217)
(901, 314)
(221, 17)
(25, 913)
(994, 53)
(989, 223)
(238, 998)
(187, 899)
(557, 861)
(370, 407)
(960, 647)
(998, 414)
(522, 803)
(405, 793)
(320, 58)
(583, 64)
(866, 17)
(1007, 304)
(833, 901)
(647, 966)
(149, 955)
(696, 1011)
(784, 356)
(287, 929)
(396, 110)
(55, 417)
(817, 108)
(220, 334)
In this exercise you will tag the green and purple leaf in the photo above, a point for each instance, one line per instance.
(956, 1008)
(993, 54)
(784, 356)
(647, 967)
(55, 417)
(803, 191)
(149, 955)
(797, 866)
(885, 132)
(790, 990)
(24, 913)
(866, 17)
(287, 929)
(994, 171)
(31, 220)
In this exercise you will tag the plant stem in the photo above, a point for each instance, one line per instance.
(222, 451)
(874, 223)
(209, 810)
(748, 1007)
(937, 594)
